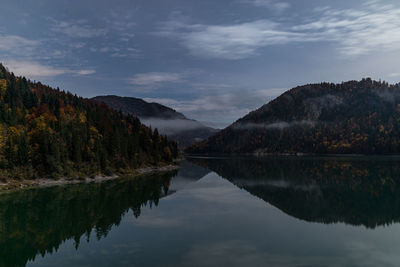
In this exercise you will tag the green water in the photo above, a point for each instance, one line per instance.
(274, 211)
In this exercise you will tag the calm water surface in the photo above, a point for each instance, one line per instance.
(214, 212)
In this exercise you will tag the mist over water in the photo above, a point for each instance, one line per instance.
(173, 126)
(276, 125)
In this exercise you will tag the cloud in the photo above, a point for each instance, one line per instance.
(155, 78)
(228, 106)
(77, 29)
(84, 72)
(123, 21)
(277, 6)
(376, 27)
(233, 42)
(31, 69)
(372, 27)
(127, 52)
(117, 28)
(15, 43)
(117, 52)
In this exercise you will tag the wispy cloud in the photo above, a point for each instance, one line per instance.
(14, 43)
(375, 27)
(117, 52)
(280, 125)
(77, 29)
(155, 78)
(230, 41)
(31, 69)
(371, 27)
(84, 72)
(274, 5)
(127, 52)
(123, 21)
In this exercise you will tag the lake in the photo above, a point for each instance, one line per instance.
(238, 211)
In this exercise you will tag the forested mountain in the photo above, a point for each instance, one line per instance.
(168, 121)
(351, 117)
(139, 108)
(48, 132)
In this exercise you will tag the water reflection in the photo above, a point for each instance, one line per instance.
(39, 220)
(206, 219)
(357, 191)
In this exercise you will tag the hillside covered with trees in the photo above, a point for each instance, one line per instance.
(168, 121)
(46, 132)
(355, 117)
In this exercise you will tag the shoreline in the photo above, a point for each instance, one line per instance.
(46, 182)
(299, 155)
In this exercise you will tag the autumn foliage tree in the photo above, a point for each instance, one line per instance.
(46, 131)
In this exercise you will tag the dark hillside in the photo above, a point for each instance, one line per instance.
(351, 117)
(139, 108)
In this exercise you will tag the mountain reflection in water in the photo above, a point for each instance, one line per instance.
(357, 191)
(214, 212)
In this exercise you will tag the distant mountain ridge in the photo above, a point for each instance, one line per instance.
(167, 120)
(361, 117)
(140, 108)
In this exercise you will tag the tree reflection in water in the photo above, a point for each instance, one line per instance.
(357, 191)
(38, 220)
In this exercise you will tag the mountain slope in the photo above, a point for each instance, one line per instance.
(139, 108)
(168, 121)
(352, 117)
(48, 132)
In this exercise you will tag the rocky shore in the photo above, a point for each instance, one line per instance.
(44, 182)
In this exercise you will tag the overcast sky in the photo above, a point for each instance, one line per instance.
(213, 60)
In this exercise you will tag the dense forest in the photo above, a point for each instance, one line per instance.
(361, 117)
(49, 132)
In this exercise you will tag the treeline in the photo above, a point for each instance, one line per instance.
(49, 132)
(361, 117)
